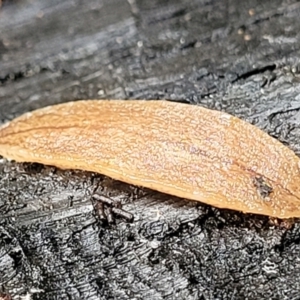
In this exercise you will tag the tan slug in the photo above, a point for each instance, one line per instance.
(183, 150)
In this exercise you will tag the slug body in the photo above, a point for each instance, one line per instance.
(179, 149)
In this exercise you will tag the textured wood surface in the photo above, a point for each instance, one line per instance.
(237, 56)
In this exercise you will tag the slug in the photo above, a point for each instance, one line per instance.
(179, 149)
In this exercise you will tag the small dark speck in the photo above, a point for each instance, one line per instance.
(190, 44)
(262, 186)
(34, 168)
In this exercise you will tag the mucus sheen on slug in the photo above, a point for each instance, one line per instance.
(180, 149)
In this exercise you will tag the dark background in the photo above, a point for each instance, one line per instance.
(237, 56)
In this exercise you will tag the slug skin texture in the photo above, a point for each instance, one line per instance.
(179, 149)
